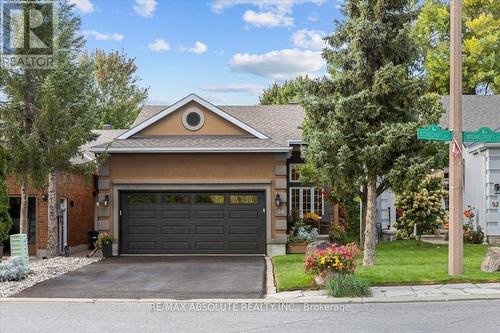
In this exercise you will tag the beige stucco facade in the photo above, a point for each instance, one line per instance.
(173, 124)
(194, 172)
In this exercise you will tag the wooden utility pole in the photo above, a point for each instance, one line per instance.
(456, 247)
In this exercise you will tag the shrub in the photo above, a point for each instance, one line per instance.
(347, 285)
(12, 270)
(302, 234)
(338, 233)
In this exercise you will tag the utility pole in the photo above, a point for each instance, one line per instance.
(456, 246)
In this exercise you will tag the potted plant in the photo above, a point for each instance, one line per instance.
(323, 264)
(105, 243)
(312, 219)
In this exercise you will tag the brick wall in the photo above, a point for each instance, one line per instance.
(76, 189)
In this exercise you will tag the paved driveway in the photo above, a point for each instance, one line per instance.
(159, 277)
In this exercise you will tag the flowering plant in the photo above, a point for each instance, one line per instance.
(104, 239)
(473, 233)
(312, 219)
(302, 234)
(334, 259)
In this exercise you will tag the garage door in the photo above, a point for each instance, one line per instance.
(192, 222)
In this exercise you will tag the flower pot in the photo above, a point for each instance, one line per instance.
(107, 250)
(296, 248)
(323, 277)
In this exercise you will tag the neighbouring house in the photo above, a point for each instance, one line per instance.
(481, 166)
(76, 213)
(194, 178)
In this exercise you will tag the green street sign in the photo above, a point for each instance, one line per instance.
(434, 132)
(484, 134)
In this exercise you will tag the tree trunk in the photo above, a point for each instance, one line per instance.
(52, 229)
(371, 216)
(23, 214)
(362, 228)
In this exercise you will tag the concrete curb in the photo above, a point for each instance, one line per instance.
(270, 285)
(299, 300)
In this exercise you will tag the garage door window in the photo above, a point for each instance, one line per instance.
(140, 199)
(217, 199)
(176, 199)
(243, 199)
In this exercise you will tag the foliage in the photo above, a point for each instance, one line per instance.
(5, 219)
(12, 270)
(312, 219)
(398, 263)
(480, 46)
(347, 285)
(103, 239)
(360, 124)
(334, 259)
(422, 208)
(338, 233)
(302, 234)
(291, 91)
(120, 96)
(473, 233)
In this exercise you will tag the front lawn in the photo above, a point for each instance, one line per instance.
(399, 262)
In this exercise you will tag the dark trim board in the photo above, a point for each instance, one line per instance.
(188, 222)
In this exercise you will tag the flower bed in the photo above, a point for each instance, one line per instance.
(335, 259)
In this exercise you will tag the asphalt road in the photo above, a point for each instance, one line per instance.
(470, 316)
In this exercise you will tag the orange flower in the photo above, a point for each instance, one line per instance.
(468, 213)
(446, 226)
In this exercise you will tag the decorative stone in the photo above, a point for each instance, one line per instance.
(318, 244)
(491, 262)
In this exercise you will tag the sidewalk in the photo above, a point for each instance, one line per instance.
(396, 294)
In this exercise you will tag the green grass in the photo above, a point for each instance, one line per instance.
(397, 263)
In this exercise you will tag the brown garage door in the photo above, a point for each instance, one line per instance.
(192, 222)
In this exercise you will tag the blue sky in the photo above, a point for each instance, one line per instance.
(223, 50)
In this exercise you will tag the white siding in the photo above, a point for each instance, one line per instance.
(492, 177)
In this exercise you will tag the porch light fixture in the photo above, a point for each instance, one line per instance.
(278, 200)
(105, 202)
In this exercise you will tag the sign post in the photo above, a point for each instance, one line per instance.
(456, 241)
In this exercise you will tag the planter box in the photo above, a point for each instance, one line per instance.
(296, 248)
(107, 250)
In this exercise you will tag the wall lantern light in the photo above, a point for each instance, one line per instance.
(105, 202)
(278, 200)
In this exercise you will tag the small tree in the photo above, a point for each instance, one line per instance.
(120, 96)
(422, 208)
(5, 220)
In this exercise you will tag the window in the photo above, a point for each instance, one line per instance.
(243, 199)
(193, 119)
(306, 199)
(139, 199)
(294, 173)
(176, 199)
(210, 199)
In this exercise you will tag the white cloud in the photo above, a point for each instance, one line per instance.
(272, 13)
(198, 48)
(267, 19)
(215, 99)
(85, 6)
(145, 8)
(279, 5)
(253, 89)
(159, 45)
(280, 64)
(115, 37)
(308, 39)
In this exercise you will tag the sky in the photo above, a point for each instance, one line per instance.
(226, 51)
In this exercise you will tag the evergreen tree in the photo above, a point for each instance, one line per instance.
(120, 97)
(360, 126)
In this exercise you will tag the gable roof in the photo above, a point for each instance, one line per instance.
(101, 137)
(190, 98)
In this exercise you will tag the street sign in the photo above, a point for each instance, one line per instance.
(484, 134)
(434, 132)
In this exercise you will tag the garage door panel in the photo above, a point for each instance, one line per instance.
(175, 229)
(244, 214)
(209, 214)
(175, 214)
(193, 222)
